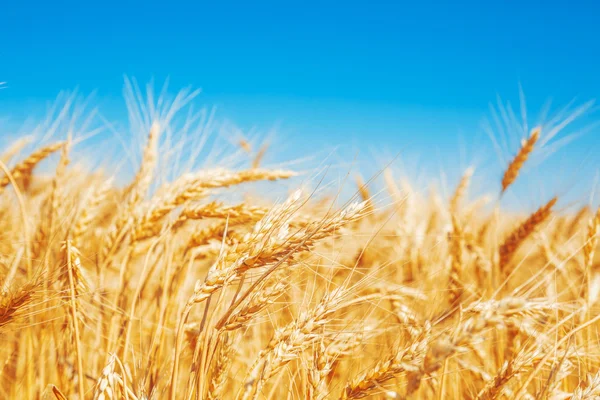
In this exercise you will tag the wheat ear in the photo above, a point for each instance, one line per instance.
(516, 164)
(518, 236)
(23, 170)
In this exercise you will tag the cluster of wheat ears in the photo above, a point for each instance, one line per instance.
(185, 290)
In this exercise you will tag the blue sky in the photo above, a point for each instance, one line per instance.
(386, 77)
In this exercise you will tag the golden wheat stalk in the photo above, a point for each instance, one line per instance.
(461, 189)
(22, 171)
(403, 361)
(141, 183)
(518, 236)
(455, 282)
(221, 368)
(14, 302)
(512, 171)
(74, 317)
(195, 189)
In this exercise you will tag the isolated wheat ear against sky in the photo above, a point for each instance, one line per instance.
(208, 273)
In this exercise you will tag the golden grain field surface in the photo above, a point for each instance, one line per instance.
(191, 289)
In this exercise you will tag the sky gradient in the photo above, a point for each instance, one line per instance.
(414, 78)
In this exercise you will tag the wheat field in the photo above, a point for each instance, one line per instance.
(186, 286)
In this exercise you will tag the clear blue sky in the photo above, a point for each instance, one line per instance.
(392, 76)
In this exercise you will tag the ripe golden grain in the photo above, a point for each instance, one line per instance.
(191, 288)
(512, 171)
